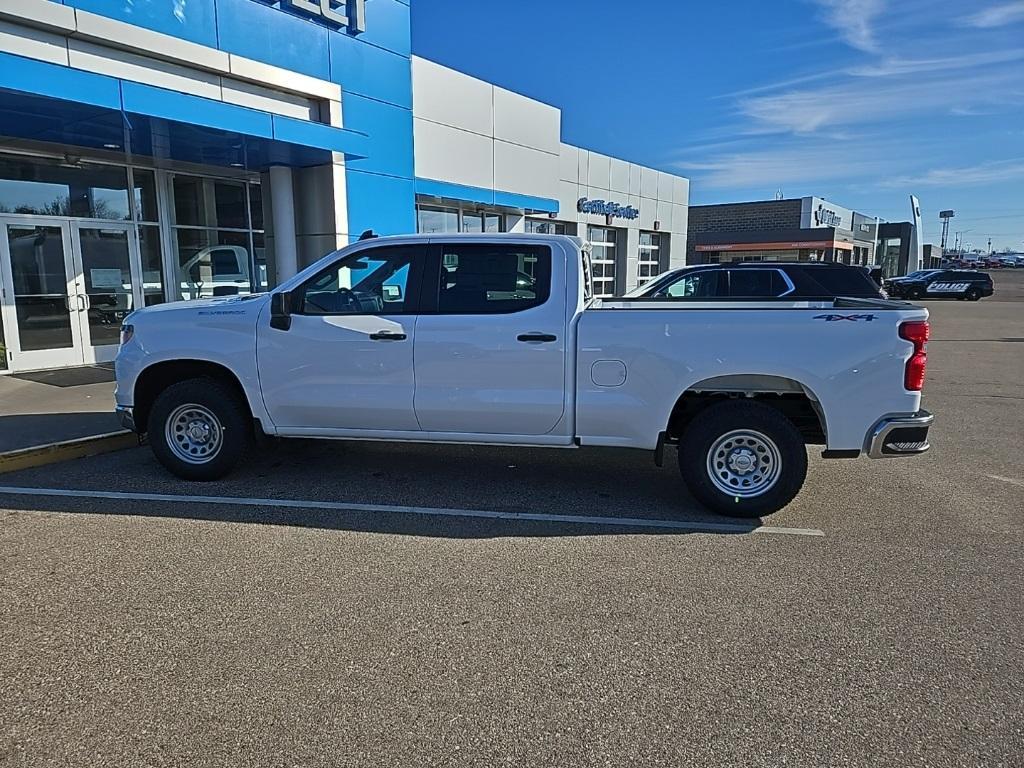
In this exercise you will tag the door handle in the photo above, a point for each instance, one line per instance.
(81, 302)
(545, 337)
(387, 336)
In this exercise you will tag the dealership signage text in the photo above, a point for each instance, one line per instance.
(346, 13)
(602, 208)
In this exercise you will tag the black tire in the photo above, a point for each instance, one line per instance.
(784, 441)
(914, 294)
(232, 425)
(973, 294)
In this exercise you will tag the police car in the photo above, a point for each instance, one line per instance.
(940, 284)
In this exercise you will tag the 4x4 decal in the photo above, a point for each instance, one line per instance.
(852, 318)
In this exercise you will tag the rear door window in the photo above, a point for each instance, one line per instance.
(492, 279)
(756, 283)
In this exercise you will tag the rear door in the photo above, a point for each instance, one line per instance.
(947, 283)
(490, 351)
(346, 361)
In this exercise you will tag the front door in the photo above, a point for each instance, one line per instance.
(345, 363)
(65, 287)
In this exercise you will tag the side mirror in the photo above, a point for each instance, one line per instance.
(281, 311)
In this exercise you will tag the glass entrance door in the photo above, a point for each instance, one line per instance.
(39, 302)
(107, 280)
(66, 286)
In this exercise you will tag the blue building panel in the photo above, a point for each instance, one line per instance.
(370, 71)
(59, 82)
(389, 149)
(264, 33)
(195, 110)
(388, 26)
(307, 134)
(194, 20)
(385, 204)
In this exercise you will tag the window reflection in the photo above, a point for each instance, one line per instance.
(47, 188)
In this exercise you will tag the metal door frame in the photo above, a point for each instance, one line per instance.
(107, 352)
(18, 360)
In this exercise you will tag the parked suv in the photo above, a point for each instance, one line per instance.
(758, 279)
(941, 284)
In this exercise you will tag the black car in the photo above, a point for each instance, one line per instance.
(796, 280)
(967, 284)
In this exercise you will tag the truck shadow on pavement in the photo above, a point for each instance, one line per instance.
(419, 490)
(25, 430)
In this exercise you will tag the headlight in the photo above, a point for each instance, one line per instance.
(127, 331)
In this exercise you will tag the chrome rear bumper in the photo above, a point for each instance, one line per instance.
(900, 436)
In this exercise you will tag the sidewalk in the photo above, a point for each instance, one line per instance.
(33, 413)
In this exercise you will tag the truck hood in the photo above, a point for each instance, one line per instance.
(217, 305)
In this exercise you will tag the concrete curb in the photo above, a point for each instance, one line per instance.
(52, 453)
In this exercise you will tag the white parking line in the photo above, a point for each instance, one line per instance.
(1009, 480)
(622, 522)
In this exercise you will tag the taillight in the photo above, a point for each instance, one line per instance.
(916, 332)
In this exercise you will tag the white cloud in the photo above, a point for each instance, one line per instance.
(853, 20)
(997, 15)
(868, 100)
(892, 67)
(984, 173)
(802, 165)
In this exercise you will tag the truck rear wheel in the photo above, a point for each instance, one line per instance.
(742, 459)
(199, 429)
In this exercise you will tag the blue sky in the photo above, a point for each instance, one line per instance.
(859, 101)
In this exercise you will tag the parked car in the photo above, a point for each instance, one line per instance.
(751, 280)
(966, 284)
(438, 338)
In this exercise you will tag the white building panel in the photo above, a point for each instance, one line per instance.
(665, 184)
(600, 172)
(34, 43)
(443, 95)
(649, 183)
(619, 176)
(634, 179)
(568, 163)
(520, 120)
(664, 213)
(583, 167)
(142, 69)
(568, 194)
(680, 216)
(524, 170)
(680, 191)
(448, 154)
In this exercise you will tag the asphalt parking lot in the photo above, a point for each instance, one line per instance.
(322, 611)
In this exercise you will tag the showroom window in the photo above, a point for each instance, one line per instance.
(467, 217)
(602, 260)
(648, 261)
(218, 237)
(542, 227)
(433, 219)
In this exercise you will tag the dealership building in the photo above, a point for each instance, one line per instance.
(157, 150)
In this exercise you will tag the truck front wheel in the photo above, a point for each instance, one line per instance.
(199, 429)
(742, 459)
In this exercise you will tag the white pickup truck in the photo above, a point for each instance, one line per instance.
(495, 339)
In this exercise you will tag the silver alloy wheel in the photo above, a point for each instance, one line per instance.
(744, 463)
(194, 434)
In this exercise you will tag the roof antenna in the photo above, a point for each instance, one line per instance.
(368, 235)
